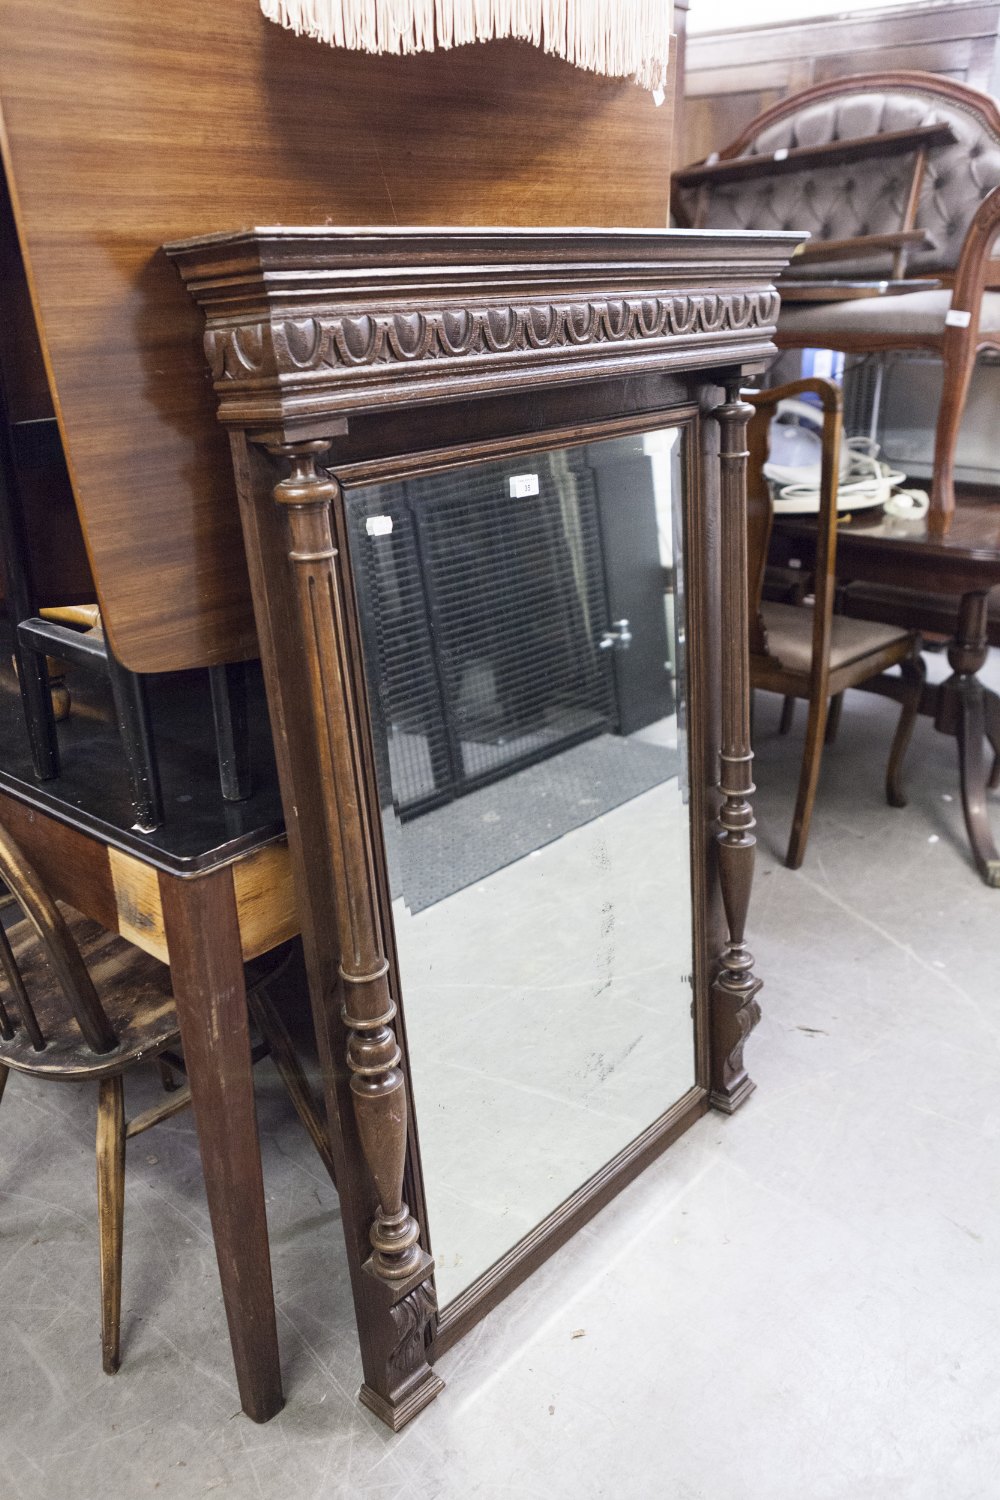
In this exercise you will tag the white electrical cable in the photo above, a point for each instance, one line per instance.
(866, 480)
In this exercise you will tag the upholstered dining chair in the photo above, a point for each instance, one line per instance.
(806, 650)
(81, 1003)
(895, 174)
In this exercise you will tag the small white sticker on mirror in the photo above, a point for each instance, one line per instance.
(523, 485)
(378, 525)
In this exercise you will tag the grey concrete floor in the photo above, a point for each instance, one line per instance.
(798, 1303)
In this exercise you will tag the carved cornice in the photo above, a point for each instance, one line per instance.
(302, 323)
(354, 341)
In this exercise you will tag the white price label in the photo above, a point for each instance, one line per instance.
(378, 525)
(523, 485)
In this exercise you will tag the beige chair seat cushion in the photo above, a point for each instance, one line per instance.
(789, 637)
(913, 313)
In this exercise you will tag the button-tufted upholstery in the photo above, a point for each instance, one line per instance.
(867, 197)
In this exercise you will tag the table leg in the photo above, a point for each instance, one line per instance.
(206, 964)
(992, 705)
(964, 707)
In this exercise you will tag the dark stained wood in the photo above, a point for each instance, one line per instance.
(122, 133)
(800, 158)
(822, 682)
(590, 327)
(732, 76)
(203, 937)
(860, 245)
(136, 1000)
(74, 867)
(921, 567)
(735, 1011)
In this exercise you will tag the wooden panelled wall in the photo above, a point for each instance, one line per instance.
(126, 124)
(731, 76)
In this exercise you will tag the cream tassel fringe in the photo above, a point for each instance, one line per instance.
(620, 38)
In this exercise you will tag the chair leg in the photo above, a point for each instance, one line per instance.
(787, 716)
(808, 780)
(282, 1049)
(111, 1211)
(4, 1073)
(128, 689)
(958, 356)
(914, 672)
(833, 717)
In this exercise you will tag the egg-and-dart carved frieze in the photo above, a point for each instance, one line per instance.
(354, 341)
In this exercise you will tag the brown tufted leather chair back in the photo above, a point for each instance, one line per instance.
(867, 197)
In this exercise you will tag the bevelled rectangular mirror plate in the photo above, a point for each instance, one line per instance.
(523, 625)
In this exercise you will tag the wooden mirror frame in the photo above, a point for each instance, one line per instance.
(343, 356)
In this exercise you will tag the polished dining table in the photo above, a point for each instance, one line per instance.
(940, 582)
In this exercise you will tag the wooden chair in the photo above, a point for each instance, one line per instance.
(894, 174)
(806, 651)
(55, 1024)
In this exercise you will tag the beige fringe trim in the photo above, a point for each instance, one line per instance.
(620, 38)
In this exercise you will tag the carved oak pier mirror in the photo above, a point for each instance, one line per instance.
(492, 491)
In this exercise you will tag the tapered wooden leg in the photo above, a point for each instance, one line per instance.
(111, 1212)
(958, 357)
(787, 715)
(914, 674)
(206, 965)
(4, 1073)
(833, 717)
(812, 756)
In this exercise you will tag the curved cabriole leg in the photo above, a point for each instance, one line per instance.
(992, 706)
(914, 674)
(735, 1011)
(962, 711)
(400, 1294)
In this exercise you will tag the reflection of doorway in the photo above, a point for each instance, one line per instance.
(636, 579)
(482, 612)
(487, 597)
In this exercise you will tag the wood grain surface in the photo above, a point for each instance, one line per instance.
(124, 127)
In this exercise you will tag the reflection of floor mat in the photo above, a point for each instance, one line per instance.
(454, 846)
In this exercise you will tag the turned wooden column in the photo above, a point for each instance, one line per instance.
(401, 1295)
(735, 1011)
